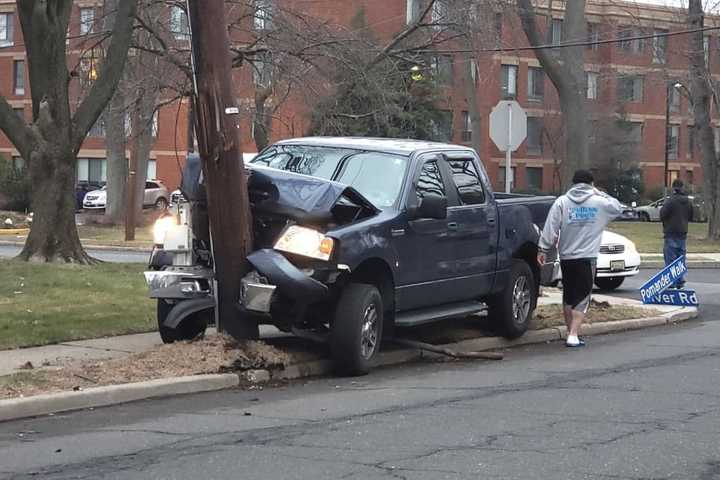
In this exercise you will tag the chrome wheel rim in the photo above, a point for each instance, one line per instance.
(369, 333)
(521, 300)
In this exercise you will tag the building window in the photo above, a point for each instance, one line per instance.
(593, 32)
(498, 29)
(534, 178)
(19, 77)
(441, 68)
(6, 30)
(690, 176)
(474, 71)
(501, 178)
(442, 126)
(509, 81)
(18, 163)
(263, 70)
(536, 83)
(467, 181)
(20, 111)
(673, 175)
(630, 89)
(155, 125)
(673, 141)
(557, 31)
(534, 135)
(660, 46)
(179, 25)
(466, 135)
(706, 50)
(151, 169)
(633, 131)
(87, 20)
(591, 83)
(674, 98)
(98, 129)
(413, 11)
(262, 19)
(92, 171)
(629, 43)
(439, 12)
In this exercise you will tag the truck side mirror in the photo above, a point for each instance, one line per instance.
(433, 206)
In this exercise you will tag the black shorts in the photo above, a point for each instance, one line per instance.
(578, 276)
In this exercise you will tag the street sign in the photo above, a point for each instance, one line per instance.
(508, 129)
(508, 125)
(663, 280)
(684, 298)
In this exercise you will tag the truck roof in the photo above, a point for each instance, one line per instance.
(390, 145)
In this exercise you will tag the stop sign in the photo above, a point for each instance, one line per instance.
(508, 125)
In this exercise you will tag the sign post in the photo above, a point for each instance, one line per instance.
(508, 129)
(655, 291)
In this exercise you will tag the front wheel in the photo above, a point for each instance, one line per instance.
(161, 203)
(644, 217)
(189, 328)
(511, 310)
(609, 283)
(356, 329)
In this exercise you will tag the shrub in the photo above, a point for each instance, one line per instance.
(14, 187)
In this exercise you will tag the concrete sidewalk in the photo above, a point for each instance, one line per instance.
(123, 345)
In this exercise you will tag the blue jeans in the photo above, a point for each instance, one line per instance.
(673, 248)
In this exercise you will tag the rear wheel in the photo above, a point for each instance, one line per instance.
(356, 329)
(609, 283)
(511, 310)
(191, 326)
(161, 203)
(644, 217)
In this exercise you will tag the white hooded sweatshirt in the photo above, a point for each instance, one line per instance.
(577, 220)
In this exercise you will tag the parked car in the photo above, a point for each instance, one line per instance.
(651, 212)
(628, 213)
(355, 236)
(617, 260)
(156, 195)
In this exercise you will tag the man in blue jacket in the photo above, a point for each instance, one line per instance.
(575, 225)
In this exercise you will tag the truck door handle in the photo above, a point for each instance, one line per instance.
(491, 220)
(452, 225)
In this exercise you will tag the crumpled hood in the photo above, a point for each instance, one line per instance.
(581, 192)
(300, 197)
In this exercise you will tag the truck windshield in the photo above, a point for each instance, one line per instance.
(377, 176)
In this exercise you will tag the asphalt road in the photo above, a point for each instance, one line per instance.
(123, 256)
(636, 405)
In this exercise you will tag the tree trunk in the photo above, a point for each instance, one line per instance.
(574, 120)
(53, 236)
(117, 165)
(701, 94)
(218, 131)
(262, 121)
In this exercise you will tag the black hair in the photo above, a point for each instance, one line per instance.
(583, 176)
(678, 184)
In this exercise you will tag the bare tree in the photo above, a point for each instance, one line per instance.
(51, 142)
(565, 69)
(701, 93)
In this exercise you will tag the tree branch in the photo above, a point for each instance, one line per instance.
(110, 74)
(19, 133)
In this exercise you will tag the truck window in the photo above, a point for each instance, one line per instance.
(467, 180)
(308, 160)
(430, 181)
(377, 176)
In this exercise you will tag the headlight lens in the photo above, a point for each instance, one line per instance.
(631, 246)
(306, 242)
(162, 226)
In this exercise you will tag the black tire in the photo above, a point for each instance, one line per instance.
(161, 203)
(644, 216)
(356, 329)
(191, 327)
(520, 293)
(609, 283)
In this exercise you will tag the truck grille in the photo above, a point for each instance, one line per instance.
(612, 249)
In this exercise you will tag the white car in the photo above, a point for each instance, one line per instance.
(617, 260)
(156, 195)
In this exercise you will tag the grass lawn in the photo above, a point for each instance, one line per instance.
(114, 236)
(42, 304)
(648, 236)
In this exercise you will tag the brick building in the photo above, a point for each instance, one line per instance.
(628, 80)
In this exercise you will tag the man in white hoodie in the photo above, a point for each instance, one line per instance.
(575, 225)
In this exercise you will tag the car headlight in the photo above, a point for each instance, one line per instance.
(631, 246)
(162, 226)
(306, 242)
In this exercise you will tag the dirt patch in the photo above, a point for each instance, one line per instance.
(547, 316)
(214, 354)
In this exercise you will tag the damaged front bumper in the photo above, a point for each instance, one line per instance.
(180, 282)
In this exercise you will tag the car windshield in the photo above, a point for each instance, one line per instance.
(377, 176)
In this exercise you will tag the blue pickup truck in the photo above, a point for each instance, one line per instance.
(356, 236)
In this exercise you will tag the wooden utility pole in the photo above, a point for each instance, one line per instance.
(217, 126)
(131, 193)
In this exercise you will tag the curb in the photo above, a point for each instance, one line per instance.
(14, 231)
(15, 408)
(691, 265)
(15, 243)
